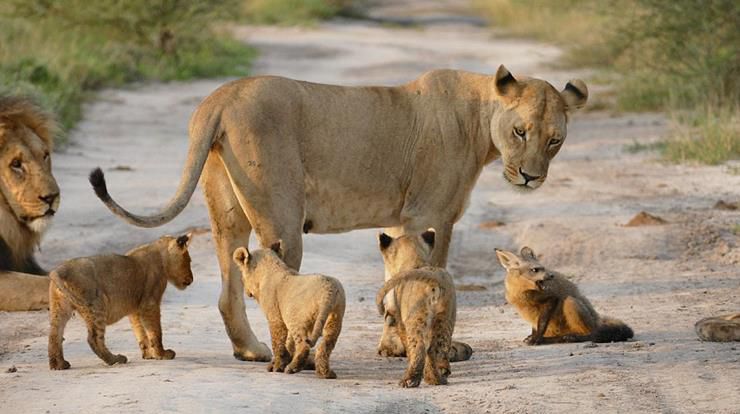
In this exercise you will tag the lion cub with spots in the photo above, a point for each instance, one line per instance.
(299, 308)
(553, 305)
(103, 289)
(420, 301)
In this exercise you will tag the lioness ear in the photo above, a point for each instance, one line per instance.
(384, 241)
(277, 247)
(241, 256)
(575, 95)
(506, 85)
(527, 253)
(428, 237)
(507, 259)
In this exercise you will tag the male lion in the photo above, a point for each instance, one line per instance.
(423, 307)
(103, 289)
(299, 309)
(283, 157)
(29, 197)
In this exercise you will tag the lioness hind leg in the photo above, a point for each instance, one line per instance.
(231, 229)
(330, 334)
(60, 311)
(95, 321)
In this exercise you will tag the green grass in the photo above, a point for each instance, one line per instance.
(292, 12)
(709, 137)
(62, 58)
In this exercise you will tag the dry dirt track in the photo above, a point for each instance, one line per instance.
(659, 279)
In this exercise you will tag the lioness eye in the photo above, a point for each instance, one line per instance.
(15, 164)
(520, 133)
(553, 142)
(46, 157)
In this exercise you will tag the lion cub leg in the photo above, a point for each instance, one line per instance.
(60, 310)
(300, 353)
(96, 323)
(280, 355)
(437, 363)
(151, 319)
(416, 351)
(330, 334)
(141, 337)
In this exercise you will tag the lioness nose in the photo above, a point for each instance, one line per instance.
(49, 198)
(528, 177)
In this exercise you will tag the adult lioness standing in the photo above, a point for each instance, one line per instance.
(283, 157)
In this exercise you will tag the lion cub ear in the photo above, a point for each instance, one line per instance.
(241, 256)
(428, 237)
(507, 259)
(277, 247)
(527, 253)
(184, 241)
(575, 95)
(384, 241)
(506, 85)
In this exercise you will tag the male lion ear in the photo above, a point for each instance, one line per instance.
(428, 237)
(241, 256)
(507, 259)
(277, 247)
(384, 240)
(506, 85)
(575, 95)
(527, 253)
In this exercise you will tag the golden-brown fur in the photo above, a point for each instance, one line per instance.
(103, 289)
(725, 328)
(421, 306)
(299, 309)
(283, 157)
(553, 305)
(29, 197)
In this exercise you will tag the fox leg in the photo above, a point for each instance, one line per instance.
(544, 320)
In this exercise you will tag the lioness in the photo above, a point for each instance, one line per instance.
(553, 305)
(298, 308)
(29, 198)
(725, 328)
(103, 289)
(423, 308)
(283, 157)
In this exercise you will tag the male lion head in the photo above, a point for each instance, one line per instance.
(29, 195)
(530, 126)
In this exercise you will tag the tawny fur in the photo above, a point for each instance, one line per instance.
(26, 141)
(103, 289)
(299, 309)
(419, 300)
(724, 328)
(553, 305)
(284, 157)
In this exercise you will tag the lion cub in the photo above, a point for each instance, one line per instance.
(553, 305)
(103, 289)
(299, 308)
(420, 299)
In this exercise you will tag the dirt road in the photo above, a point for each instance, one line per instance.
(659, 279)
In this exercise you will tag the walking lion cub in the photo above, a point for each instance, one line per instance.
(299, 308)
(553, 305)
(420, 301)
(103, 289)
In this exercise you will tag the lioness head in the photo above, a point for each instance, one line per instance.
(406, 252)
(177, 261)
(525, 267)
(28, 191)
(530, 126)
(254, 265)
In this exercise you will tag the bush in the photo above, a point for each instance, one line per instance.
(59, 50)
(291, 12)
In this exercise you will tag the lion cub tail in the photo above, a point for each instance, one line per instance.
(324, 311)
(429, 278)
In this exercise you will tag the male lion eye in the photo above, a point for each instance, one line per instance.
(15, 164)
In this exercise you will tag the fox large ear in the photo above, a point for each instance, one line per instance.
(241, 256)
(506, 85)
(277, 247)
(507, 259)
(428, 237)
(384, 241)
(527, 253)
(575, 95)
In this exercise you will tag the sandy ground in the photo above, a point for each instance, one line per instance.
(659, 279)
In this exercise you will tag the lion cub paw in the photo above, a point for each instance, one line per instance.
(118, 359)
(330, 374)
(59, 365)
(411, 382)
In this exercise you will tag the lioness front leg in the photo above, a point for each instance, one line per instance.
(151, 320)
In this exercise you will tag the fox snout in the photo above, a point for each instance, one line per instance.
(541, 283)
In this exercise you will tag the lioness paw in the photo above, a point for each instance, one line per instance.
(57, 365)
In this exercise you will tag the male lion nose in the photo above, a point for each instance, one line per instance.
(49, 198)
(527, 177)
